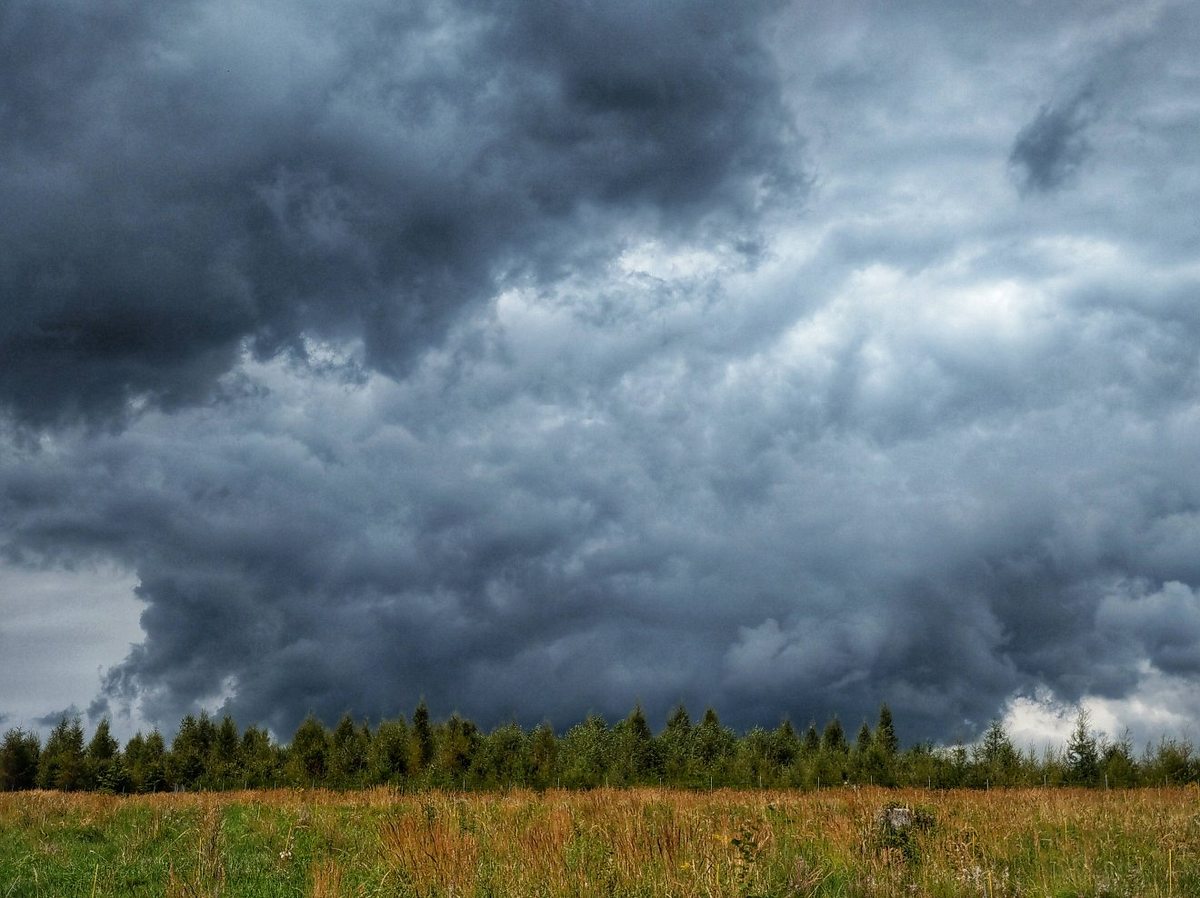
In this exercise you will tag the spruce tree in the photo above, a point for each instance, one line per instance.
(675, 742)
(543, 755)
(61, 765)
(1083, 757)
(348, 750)
(637, 757)
(784, 744)
(260, 758)
(154, 777)
(19, 756)
(389, 752)
(308, 755)
(812, 740)
(188, 760)
(833, 739)
(714, 746)
(455, 744)
(225, 756)
(421, 750)
(885, 733)
(862, 742)
(100, 759)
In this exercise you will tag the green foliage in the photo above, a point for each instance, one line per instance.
(224, 768)
(862, 742)
(812, 740)
(388, 755)
(501, 758)
(262, 760)
(19, 755)
(62, 763)
(885, 733)
(308, 755)
(349, 754)
(585, 752)
(455, 743)
(453, 753)
(188, 760)
(714, 747)
(675, 745)
(421, 746)
(147, 761)
(543, 755)
(996, 762)
(1083, 756)
(833, 738)
(636, 757)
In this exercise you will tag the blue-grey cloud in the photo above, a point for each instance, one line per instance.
(181, 182)
(1049, 151)
(665, 433)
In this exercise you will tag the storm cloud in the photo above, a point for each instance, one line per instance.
(545, 359)
(182, 182)
(1049, 151)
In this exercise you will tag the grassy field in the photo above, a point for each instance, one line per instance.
(604, 843)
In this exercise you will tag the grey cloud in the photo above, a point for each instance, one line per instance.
(178, 182)
(51, 719)
(1049, 151)
(660, 442)
(1164, 624)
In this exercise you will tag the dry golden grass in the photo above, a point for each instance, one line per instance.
(645, 842)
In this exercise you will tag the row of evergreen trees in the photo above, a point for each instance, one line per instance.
(454, 753)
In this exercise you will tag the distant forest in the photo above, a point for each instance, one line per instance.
(419, 753)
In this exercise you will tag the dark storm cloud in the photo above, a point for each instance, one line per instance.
(179, 180)
(607, 427)
(1049, 151)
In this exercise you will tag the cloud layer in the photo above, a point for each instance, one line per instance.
(181, 181)
(548, 360)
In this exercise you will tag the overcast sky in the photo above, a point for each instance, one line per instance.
(542, 358)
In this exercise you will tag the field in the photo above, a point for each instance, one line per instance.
(646, 842)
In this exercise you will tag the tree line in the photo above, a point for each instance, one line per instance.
(418, 752)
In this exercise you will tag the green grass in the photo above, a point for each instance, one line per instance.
(1027, 843)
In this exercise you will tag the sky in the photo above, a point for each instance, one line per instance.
(544, 358)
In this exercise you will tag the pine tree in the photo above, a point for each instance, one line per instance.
(187, 763)
(543, 755)
(348, 751)
(714, 747)
(862, 742)
(224, 767)
(61, 765)
(1083, 757)
(19, 756)
(154, 764)
(1117, 763)
(637, 758)
(421, 751)
(260, 758)
(833, 739)
(455, 744)
(308, 755)
(885, 733)
(389, 752)
(675, 743)
(812, 740)
(784, 745)
(100, 759)
(584, 753)
(997, 757)
(502, 758)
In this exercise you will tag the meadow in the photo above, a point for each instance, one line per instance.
(604, 842)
